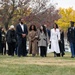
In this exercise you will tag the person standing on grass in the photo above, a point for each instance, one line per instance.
(61, 43)
(3, 41)
(33, 40)
(22, 31)
(71, 38)
(11, 40)
(43, 41)
(54, 39)
(48, 31)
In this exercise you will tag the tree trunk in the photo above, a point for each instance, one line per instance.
(6, 25)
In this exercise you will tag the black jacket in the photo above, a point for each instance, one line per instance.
(20, 32)
(71, 34)
(11, 36)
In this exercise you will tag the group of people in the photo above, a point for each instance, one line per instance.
(17, 37)
(39, 39)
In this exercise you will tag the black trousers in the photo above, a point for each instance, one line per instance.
(43, 51)
(22, 51)
(11, 49)
(0, 48)
(62, 49)
(4, 48)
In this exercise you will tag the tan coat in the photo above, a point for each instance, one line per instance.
(33, 42)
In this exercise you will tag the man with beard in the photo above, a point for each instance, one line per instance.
(22, 32)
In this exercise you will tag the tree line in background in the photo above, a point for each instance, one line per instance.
(66, 15)
(36, 12)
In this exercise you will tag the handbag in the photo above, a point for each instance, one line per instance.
(50, 46)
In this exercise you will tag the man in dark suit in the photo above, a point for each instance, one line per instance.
(71, 38)
(22, 32)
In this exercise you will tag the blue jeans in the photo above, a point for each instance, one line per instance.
(72, 46)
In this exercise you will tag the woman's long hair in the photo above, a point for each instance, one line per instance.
(56, 25)
(30, 28)
(44, 30)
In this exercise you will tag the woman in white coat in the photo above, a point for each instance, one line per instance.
(54, 39)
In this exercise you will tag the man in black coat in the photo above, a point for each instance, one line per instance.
(71, 38)
(22, 32)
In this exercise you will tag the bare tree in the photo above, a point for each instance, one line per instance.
(39, 5)
(41, 11)
(8, 8)
(46, 16)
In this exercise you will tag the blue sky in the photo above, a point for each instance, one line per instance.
(64, 3)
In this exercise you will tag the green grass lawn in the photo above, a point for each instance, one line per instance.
(37, 65)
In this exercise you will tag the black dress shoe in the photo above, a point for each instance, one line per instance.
(72, 56)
